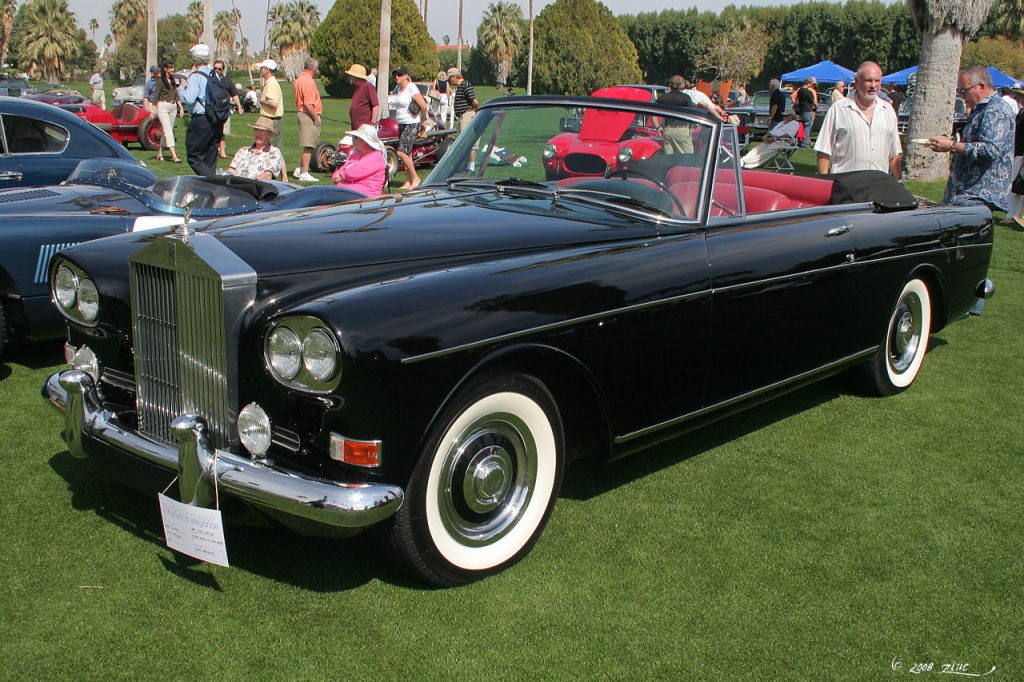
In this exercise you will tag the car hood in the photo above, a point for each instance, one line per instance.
(302, 254)
(62, 200)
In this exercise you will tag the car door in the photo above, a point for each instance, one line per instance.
(782, 300)
(10, 166)
(38, 148)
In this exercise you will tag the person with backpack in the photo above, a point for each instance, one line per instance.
(208, 103)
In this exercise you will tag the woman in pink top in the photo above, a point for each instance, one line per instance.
(363, 171)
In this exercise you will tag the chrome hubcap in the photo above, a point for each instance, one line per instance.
(488, 475)
(905, 336)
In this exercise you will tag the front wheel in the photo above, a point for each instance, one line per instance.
(150, 132)
(391, 162)
(897, 363)
(323, 159)
(485, 485)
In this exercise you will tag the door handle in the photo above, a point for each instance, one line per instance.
(836, 231)
(10, 175)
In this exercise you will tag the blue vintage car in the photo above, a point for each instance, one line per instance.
(105, 197)
(41, 144)
(426, 363)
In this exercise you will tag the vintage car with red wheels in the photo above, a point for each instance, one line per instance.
(126, 122)
(426, 364)
(427, 150)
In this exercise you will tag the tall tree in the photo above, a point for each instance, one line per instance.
(293, 32)
(194, 14)
(8, 9)
(945, 25)
(125, 15)
(50, 39)
(94, 25)
(737, 54)
(1009, 19)
(225, 23)
(500, 36)
(580, 47)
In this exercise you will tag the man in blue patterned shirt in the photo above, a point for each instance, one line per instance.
(982, 160)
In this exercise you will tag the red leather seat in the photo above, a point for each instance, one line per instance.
(803, 191)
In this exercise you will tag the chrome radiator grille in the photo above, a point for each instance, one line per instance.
(186, 313)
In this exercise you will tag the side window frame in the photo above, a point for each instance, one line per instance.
(65, 131)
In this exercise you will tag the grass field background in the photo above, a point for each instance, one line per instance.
(821, 536)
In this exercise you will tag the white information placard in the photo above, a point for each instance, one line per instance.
(195, 531)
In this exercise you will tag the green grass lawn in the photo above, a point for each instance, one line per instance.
(817, 537)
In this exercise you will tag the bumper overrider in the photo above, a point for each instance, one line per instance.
(205, 472)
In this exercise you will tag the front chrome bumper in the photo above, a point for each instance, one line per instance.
(204, 472)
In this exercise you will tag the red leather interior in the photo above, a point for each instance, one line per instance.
(804, 191)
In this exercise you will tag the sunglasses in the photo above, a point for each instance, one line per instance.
(964, 91)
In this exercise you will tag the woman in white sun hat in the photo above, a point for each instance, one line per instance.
(363, 171)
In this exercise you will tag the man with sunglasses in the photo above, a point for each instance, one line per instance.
(982, 159)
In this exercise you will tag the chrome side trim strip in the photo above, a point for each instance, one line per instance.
(552, 326)
(746, 396)
(201, 467)
(672, 299)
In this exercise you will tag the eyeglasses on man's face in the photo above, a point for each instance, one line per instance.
(964, 91)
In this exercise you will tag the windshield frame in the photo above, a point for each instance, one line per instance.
(443, 173)
(125, 176)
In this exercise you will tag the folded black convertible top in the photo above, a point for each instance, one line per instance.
(878, 187)
(261, 191)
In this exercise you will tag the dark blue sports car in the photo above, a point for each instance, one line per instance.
(42, 144)
(104, 197)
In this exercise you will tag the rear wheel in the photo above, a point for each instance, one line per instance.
(897, 363)
(321, 161)
(150, 132)
(442, 149)
(485, 484)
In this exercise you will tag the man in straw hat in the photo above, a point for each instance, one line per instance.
(781, 136)
(363, 170)
(260, 160)
(364, 107)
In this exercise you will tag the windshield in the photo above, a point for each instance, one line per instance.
(637, 158)
(210, 197)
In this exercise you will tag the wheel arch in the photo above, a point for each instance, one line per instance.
(580, 401)
(936, 283)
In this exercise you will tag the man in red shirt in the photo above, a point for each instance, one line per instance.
(308, 109)
(364, 107)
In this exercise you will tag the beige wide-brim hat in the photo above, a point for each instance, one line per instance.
(357, 71)
(367, 133)
(263, 123)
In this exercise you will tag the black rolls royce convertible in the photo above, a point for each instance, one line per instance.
(425, 363)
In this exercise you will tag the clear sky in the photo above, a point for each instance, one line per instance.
(442, 15)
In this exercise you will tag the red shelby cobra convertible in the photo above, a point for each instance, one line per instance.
(601, 141)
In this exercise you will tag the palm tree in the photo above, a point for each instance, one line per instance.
(1010, 19)
(50, 37)
(94, 25)
(225, 23)
(500, 36)
(294, 27)
(125, 15)
(194, 14)
(275, 17)
(945, 26)
(7, 11)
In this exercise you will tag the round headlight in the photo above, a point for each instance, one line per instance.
(549, 151)
(254, 429)
(88, 300)
(65, 287)
(319, 354)
(284, 350)
(625, 154)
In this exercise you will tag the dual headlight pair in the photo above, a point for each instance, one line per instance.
(303, 353)
(76, 295)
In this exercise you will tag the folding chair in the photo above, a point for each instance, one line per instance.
(781, 161)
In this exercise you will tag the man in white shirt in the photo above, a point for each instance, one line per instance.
(860, 132)
(781, 136)
(704, 102)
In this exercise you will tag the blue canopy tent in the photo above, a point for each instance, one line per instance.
(999, 79)
(823, 72)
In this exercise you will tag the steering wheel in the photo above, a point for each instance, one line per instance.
(626, 171)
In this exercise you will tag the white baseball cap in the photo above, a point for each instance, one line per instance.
(200, 50)
(269, 63)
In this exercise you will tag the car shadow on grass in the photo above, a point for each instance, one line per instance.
(316, 564)
(33, 356)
